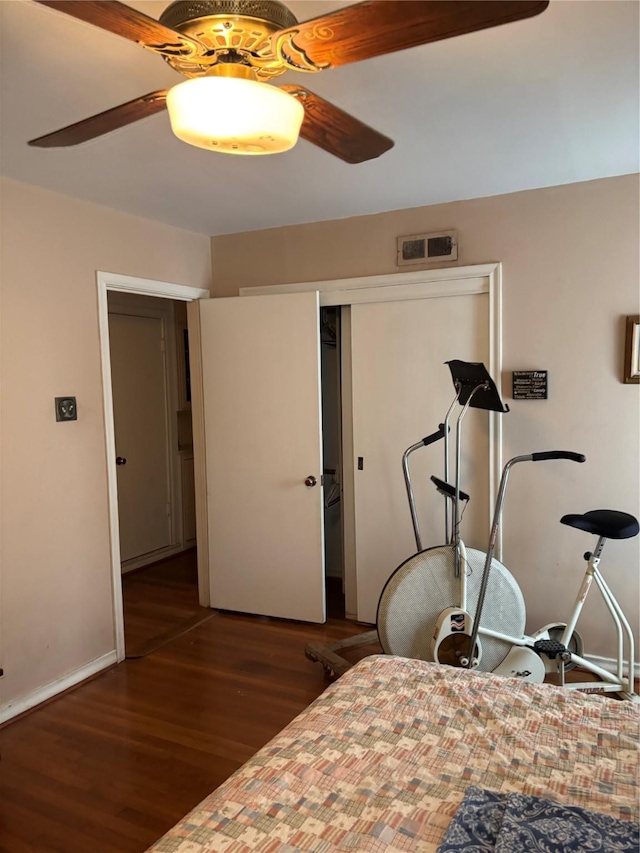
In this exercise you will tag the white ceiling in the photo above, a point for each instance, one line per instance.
(549, 100)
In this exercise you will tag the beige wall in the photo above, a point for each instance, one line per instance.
(56, 578)
(570, 260)
(570, 264)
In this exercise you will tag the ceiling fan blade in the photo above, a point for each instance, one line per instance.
(377, 27)
(124, 21)
(105, 122)
(337, 132)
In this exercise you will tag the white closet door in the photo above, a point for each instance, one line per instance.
(261, 380)
(401, 392)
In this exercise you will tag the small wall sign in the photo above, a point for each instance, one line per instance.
(530, 384)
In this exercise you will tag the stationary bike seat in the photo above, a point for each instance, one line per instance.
(604, 522)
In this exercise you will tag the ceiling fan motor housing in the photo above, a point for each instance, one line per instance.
(237, 34)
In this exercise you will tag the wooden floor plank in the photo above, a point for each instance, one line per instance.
(160, 600)
(112, 765)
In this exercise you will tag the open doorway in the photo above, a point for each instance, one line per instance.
(150, 384)
(124, 284)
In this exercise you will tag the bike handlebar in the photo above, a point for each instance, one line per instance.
(435, 436)
(558, 454)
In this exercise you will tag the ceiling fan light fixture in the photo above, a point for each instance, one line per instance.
(234, 115)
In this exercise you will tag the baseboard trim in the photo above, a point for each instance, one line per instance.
(611, 664)
(152, 557)
(42, 694)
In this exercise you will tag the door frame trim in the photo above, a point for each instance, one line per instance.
(417, 284)
(107, 281)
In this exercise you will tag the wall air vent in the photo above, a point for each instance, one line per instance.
(428, 248)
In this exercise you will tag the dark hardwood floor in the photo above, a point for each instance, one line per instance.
(160, 601)
(111, 765)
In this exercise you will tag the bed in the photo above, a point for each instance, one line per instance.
(382, 759)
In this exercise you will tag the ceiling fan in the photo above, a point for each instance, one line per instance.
(231, 50)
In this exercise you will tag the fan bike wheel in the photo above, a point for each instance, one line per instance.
(425, 585)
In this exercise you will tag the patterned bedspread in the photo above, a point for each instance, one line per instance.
(381, 761)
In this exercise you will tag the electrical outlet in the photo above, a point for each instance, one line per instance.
(66, 409)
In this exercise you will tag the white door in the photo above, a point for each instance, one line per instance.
(139, 383)
(401, 392)
(261, 384)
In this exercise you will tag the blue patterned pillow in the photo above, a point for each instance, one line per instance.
(536, 824)
(477, 823)
(505, 823)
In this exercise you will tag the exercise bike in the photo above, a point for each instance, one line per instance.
(531, 657)
(425, 610)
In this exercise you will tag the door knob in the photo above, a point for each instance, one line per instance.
(310, 481)
(120, 460)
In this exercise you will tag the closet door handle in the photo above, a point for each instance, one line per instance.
(310, 481)
(120, 460)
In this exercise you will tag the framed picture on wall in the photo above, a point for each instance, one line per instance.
(632, 350)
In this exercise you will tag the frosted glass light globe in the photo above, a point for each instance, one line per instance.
(234, 115)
